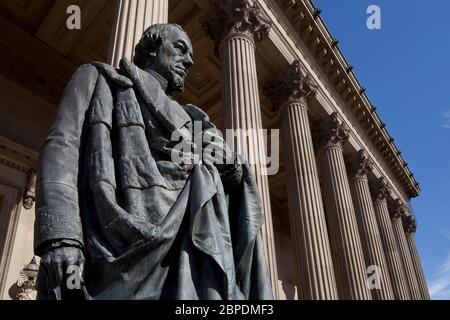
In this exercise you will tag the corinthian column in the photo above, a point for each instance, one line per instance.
(313, 263)
(236, 28)
(380, 192)
(410, 225)
(131, 19)
(398, 213)
(372, 246)
(345, 242)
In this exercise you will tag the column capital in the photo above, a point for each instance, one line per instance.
(380, 189)
(398, 210)
(236, 17)
(360, 165)
(334, 132)
(410, 225)
(291, 87)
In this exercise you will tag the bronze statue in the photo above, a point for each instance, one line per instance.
(111, 202)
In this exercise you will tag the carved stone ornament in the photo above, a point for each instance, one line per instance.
(236, 16)
(360, 165)
(335, 132)
(381, 190)
(398, 210)
(291, 87)
(410, 225)
(27, 289)
(29, 196)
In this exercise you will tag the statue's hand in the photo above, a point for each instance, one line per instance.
(223, 156)
(56, 263)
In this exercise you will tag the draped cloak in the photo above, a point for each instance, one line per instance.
(149, 228)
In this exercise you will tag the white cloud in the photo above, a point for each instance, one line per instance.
(439, 287)
(447, 119)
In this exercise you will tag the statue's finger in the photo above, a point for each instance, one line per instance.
(46, 266)
(82, 262)
(59, 273)
(51, 275)
(81, 259)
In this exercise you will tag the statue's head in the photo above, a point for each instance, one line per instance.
(167, 50)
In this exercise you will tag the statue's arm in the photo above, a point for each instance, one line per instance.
(58, 221)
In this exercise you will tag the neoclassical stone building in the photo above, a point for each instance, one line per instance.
(337, 211)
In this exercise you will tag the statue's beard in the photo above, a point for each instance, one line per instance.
(177, 83)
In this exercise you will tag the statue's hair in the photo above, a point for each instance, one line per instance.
(150, 42)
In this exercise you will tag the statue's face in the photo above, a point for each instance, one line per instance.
(173, 59)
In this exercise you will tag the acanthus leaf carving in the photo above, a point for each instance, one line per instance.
(334, 132)
(236, 16)
(398, 210)
(381, 190)
(361, 164)
(410, 225)
(291, 87)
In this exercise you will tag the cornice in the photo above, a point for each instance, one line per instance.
(17, 157)
(13, 165)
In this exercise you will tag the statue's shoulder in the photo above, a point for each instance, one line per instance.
(108, 72)
(196, 113)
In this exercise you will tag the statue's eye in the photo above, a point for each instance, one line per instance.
(180, 48)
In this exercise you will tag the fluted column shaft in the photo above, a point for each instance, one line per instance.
(291, 92)
(405, 256)
(241, 110)
(237, 40)
(345, 242)
(368, 227)
(131, 19)
(425, 294)
(313, 262)
(396, 272)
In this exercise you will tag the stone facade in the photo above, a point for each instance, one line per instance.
(339, 203)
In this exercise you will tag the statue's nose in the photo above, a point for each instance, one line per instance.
(188, 62)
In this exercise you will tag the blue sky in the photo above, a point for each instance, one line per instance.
(405, 67)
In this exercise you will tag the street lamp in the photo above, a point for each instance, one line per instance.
(31, 270)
